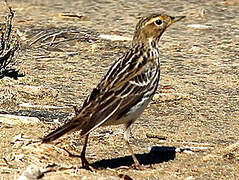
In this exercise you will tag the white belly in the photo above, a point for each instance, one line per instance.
(132, 115)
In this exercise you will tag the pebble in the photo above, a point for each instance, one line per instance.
(17, 120)
(114, 37)
(27, 105)
(198, 26)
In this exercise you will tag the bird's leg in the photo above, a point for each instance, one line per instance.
(76, 109)
(85, 163)
(126, 138)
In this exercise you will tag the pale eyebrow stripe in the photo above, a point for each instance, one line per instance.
(152, 20)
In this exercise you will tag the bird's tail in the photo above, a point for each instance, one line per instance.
(66, 128)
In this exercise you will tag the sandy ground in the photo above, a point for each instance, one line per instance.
(189, 131)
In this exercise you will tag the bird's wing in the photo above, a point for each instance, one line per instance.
(126, 83)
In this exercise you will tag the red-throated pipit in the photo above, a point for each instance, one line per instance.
(126, 89)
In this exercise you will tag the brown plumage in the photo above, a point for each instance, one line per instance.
(126, 89)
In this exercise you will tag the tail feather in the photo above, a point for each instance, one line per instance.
(66, 128)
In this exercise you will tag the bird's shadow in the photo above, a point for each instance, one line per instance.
(155, 156)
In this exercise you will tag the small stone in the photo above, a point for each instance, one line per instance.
(27, 105)
(189, 178)
(114, 37)
(198, 26)
(17, 120)
(209, 157)
(195, 49)
(32, 172)
(165, 97)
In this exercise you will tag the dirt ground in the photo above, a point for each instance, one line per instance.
(189, 131)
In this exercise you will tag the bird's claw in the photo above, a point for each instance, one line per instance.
(140, 167)
(86, 165)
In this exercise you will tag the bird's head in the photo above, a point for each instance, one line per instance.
(150, 28)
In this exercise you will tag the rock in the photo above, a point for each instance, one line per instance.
(230, 2)
(15, 92)
(31, 173)
(114, 37)
(17, 120)
(198, 26)
(195, 49)
(27, 105)
(165, 97)
(37, 90)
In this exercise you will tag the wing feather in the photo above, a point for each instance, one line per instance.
(124, 85)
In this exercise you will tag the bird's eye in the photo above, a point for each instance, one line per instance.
(158, 22)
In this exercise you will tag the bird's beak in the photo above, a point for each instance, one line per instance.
(175, 19)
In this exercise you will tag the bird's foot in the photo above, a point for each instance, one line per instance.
(86, 165)
(138, 166)
(71, 154)
(76, 109)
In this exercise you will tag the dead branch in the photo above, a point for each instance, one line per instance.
(8, 46)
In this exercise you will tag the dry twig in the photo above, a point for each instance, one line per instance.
(8, 46)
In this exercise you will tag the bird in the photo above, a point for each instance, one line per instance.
(125, 90)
